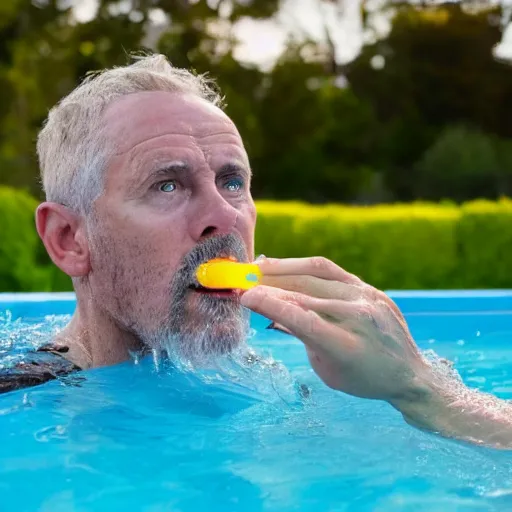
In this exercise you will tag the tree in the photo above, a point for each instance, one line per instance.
(438, 70)
(318, 135)
(44, 56)
(45, 53)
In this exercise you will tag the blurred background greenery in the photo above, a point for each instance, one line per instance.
(421, 111)
(356, 102)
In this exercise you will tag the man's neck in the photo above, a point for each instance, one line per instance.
(95, 339)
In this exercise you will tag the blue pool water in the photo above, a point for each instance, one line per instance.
(134, 437)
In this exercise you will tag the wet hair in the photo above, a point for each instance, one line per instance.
(72, 148)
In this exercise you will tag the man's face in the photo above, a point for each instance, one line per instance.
(177, 193)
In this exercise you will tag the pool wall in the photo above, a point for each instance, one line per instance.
(409, 302)
(487, 313)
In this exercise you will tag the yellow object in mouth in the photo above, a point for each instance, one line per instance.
(227, 274)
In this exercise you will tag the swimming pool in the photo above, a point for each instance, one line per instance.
(134, 437)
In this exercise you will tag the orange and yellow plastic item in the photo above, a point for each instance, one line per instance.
(223, 273)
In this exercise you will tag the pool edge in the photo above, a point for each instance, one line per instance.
(409, 302)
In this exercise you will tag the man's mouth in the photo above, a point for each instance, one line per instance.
(221, 293)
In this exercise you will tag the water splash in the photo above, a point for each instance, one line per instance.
(244, 371)
(17, 337)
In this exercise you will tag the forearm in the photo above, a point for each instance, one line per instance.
(453, 410)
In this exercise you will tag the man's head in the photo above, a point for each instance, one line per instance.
(145, 179)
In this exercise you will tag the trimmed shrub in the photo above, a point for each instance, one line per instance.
(20, 252)
(485, 244)
(24, 264)
(412, 246)
(402, 246)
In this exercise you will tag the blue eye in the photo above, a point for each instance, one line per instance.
(167, 186)
(235, 184)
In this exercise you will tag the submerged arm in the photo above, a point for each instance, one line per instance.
(453, 410)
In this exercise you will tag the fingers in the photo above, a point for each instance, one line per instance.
(284, 308)
(317, 266)
(320, 278)
(313, 286)
(308, 318)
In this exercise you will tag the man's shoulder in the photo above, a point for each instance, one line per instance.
(40, 366)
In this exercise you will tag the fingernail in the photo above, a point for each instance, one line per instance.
(261, 257)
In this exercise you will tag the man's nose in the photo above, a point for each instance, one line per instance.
(212, 215)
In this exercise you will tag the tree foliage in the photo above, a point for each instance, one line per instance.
(439, 69)
(380, 127)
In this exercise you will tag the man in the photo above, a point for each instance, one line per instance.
(145, 179)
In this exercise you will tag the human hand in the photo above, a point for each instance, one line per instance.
(356, 338)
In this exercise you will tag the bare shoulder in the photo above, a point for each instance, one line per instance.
(40, 366)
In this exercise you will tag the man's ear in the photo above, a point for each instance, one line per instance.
(63, 235)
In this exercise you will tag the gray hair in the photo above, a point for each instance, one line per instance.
(71, 147)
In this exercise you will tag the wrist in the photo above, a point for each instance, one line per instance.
(438, 401)
(427, 403)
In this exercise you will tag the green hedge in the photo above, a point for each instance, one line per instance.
(414, 246)
(24, 264)
(484, 234)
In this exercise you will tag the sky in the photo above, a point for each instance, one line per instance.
(261, 42)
